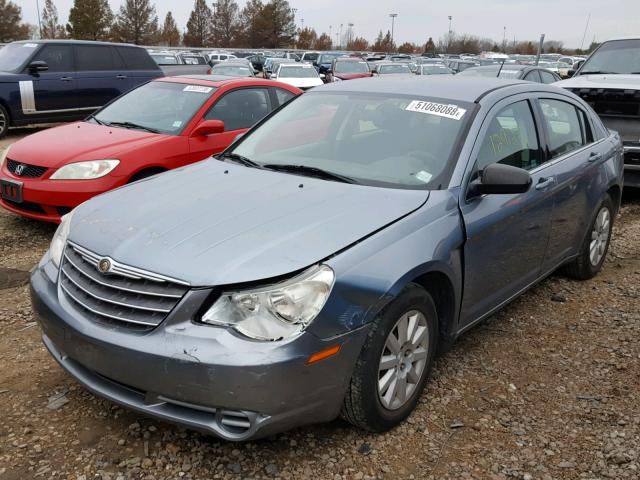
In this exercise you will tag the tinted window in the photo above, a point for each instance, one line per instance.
(511, 139)
(241, 108)
(547, 77)
(563, 125)
(283, 95)
(137, 58)
(533, 76)
(58, 57)
(93, 57)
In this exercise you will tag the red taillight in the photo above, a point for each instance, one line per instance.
(209, 72)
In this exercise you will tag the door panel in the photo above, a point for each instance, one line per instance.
(507, 235)
(53, 89)
(101, 75)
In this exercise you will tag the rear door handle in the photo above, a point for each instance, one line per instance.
(594, 157)
(545, 182)
(66, 79)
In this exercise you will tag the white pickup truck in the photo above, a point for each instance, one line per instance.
(609, 80)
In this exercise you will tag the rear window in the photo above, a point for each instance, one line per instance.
(137, 58)
(297, 72)
(96, 57)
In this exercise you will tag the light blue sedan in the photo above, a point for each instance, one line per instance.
(315, 268)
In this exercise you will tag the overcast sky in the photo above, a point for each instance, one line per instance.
(419, 19)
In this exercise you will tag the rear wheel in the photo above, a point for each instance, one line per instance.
(394, 364)
(4, 121)
(594, 249)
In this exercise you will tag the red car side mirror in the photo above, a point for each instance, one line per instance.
(208, 127)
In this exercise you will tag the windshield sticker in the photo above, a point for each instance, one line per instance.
(197, 89)
(448, 111)
(424, 176)
(177, 124)
(30, 45)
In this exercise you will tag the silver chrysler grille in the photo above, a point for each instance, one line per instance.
(113, 292)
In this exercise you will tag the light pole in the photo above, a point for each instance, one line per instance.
(349, 34)
(449, 37)
(39, 23)
(393, 23)
(504, 40)
(340, 44)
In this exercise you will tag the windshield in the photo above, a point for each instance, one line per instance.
(618, 56)
(492, 72)
(435, 70)
(297, 72)
(14, 55)
(328, 57)
(310, 57)
(399, 68)
(162, 106)
(165, 59)
(193, 60)
(351, 67)
(231, 71)
(374, 139)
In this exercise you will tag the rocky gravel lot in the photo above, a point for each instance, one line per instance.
(547, 389)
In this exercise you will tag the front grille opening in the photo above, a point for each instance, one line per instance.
(235, 422)
(63, 210)
(114, 299)
(25, 206)
(27, 171)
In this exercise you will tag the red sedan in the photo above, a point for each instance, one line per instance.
(164, 124)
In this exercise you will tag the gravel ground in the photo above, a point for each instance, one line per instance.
(546, 389)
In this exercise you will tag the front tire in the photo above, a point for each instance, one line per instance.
(394, 364)
(594, 249)
(4, 121)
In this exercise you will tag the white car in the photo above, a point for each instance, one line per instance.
(299, 75)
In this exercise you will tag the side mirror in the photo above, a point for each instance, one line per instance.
(208, 127)
(38, 66)
(500, 179)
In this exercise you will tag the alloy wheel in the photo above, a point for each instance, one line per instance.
(600, 236)
(403, 360)
(3, 121)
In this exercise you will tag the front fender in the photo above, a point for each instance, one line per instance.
(373, 272)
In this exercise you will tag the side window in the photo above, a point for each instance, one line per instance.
(241, 108)
(58, 57)
(136, 58)
(283, 95)
(533, 76)
(92, 58)
(563, 125)
(547, 77)
(511, 139)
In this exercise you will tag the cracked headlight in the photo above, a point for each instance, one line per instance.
(276, 312)
(85, 170)
(60, 239)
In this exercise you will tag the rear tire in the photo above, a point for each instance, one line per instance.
(4, 121)
(596, 244)
(367, 404)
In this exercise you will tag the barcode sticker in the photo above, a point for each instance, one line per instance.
(440, 109)
(197, 89)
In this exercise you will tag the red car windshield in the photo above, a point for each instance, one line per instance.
(351, 67)
(164, 107)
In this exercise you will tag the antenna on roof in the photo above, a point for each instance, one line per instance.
(501, 65)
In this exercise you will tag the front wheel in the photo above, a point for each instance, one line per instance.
(594, 249)
(4, 121)
(394, 364)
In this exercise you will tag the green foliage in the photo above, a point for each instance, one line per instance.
(90, 20)
(170, 35)
(226, 23)
(199, 26)
(50, 26)
(11, 26)
(136, 22)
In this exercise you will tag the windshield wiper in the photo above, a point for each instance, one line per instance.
(310, 172)
(131, 125)
(92, 117)
(240, 159)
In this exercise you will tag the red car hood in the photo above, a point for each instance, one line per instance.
(76, 142)
(352, 76)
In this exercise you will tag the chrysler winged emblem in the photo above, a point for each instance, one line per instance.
(104, 265)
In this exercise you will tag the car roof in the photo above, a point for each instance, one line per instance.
(468, 89)
(210, 80)
(80, 42)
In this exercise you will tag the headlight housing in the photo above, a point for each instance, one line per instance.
(3, 155)
(276, 312)
(85, 170)
(60, 239)
(336, 79)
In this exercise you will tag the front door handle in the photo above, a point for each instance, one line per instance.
(66, 79)
(121, 77)
(545, 182)
(594, 157)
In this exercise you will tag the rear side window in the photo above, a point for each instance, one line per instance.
(547, 77)
(511, 139)
(58, 57)
(241, 108)
(533, 76)
(97, 58)
(136, 58)
(283, 95)
(564, 125)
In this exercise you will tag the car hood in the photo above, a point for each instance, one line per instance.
(302, 82)
(352, 76)
(76, 142)
(602, 81)
(216, 223)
